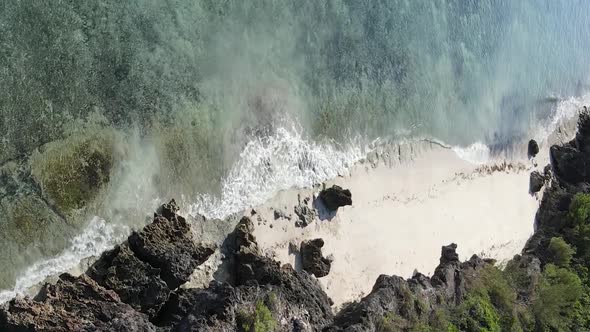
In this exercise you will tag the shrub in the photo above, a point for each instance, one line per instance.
(477, 314)
(391, 322)
(579, 235)
(493, 284)
(579, 211)
(261, 320)
(558, 293)
(560, 253)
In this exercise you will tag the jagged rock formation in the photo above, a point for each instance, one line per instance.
(412, 300)
(335, 197)
(125, 288)
(305, 215)
(73, 304)
(312, 259)
(292, 298)
(134, 287)
(536, 182)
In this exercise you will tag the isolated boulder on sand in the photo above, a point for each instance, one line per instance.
(312, 259)
(335, 197)
(533, 148)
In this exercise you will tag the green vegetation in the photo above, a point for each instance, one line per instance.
(558, 294)
(579, 211)
(477, 313)
(261, 320)
(578, 228)
(522, 298)
(560, 253)
(390, 323)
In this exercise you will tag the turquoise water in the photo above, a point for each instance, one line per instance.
(110, 106)
(457, 69)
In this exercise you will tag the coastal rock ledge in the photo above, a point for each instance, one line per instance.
(135, 287)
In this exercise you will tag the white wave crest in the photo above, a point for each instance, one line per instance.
(98, 237)
(477, 153)
(565, 109)
(269, 164)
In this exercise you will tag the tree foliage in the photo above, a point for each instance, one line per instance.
(560, 252)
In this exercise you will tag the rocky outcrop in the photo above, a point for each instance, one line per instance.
(312, 259)
(335, 197)
(292, 298)
(136, 282)
(122, 290)
(413, 300)
(582, 139)
(569, 165)
(167, 244)
(73, 304)
(536, 182)
(305, 215)
(570, 171)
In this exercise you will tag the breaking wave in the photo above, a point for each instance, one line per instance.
(98, 237)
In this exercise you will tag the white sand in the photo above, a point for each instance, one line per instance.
(403, 213)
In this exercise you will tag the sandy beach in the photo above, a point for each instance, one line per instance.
(402, 214)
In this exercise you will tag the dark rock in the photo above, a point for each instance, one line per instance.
(569, 165)
(168, 210)
(135, 272)
(413, 300)
(335, 197)
(210, 303)
(536, 182)
(137, 283)
(449, 254)
(446, 275)
(582, 140)
(390, 294)
(312, 260)
(256, 278)
(297, 288)
(73, 304)
(168, 244)
(305, 215)
(547, 171)
(24, 314)
(533, 148)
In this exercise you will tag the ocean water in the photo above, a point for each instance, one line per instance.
(219, 104)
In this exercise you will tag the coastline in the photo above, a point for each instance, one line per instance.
(402, 214)
(471, 206)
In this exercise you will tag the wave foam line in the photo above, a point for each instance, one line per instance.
(97, 238)
(565, 110)
(266, 165)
